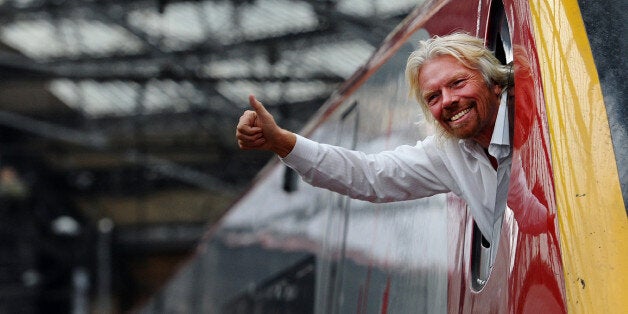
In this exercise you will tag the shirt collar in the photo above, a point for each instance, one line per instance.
(499, 146)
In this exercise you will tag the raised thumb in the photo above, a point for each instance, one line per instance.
(258, 106)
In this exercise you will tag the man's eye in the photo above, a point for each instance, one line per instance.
(458, 82)
(431, 99)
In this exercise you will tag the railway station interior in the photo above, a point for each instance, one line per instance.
(117, 123)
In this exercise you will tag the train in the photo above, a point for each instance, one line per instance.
(288, 247)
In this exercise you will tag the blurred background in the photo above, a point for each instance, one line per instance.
(117, 123)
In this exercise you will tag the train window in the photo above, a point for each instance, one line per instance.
(484, 246)
(480, 258)
(498, 35)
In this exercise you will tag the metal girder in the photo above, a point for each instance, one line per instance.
(226, 51)
(100, 142)
(371, 29)
(333, 23)
(9, 10)
(159, 237)
(102, 76)
(172, 65)
(15, 66)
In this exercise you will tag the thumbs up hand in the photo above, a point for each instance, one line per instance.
(257, 130)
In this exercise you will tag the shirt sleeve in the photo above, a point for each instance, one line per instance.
(408, 172)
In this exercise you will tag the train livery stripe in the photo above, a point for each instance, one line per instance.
(591, 211)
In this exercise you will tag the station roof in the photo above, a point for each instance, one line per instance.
(123, 112)
(135, 98)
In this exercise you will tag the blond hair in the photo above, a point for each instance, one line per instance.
(467, 49)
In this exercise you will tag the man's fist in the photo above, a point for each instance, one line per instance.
(257, 130)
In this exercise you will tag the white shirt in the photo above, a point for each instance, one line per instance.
(411, 172)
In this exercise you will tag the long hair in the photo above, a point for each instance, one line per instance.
(467, 49)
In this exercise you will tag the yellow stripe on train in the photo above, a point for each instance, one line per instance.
(591, 212)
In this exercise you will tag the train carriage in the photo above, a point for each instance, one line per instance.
(560, 245)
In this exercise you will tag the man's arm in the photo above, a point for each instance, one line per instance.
(403, 174)
(257, 130)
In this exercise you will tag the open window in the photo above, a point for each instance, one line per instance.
(484, 246)
(498, 35)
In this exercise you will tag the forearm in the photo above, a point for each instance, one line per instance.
(284, 143)
(375, 178)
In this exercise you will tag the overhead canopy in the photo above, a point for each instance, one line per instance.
(127, 74)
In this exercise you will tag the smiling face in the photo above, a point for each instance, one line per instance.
(459, 98)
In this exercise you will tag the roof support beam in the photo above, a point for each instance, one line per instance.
(100, 142)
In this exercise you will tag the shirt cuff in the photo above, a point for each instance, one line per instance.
(304, 150)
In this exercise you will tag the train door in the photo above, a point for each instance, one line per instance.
(329, 283)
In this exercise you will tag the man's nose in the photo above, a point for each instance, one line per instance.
(449, 98)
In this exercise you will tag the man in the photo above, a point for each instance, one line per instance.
(461, 88)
